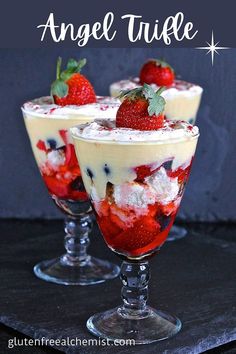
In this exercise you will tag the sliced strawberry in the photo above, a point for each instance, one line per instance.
(154, 245)
(75, 170)
(180, 173)
(56, 187)
(41, 145)
(108, 228)
(153, 209)
(71, 159)
(77, 195)
(118, 216)
(63, 133)
(169, 208)
(157, 241)
(143, 232)
(102, 208)
(142, 172)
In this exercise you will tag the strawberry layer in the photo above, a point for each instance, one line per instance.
(136, 225)
(61, 172)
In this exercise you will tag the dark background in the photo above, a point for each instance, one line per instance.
(27, 73)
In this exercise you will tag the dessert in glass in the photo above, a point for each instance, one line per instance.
(182, 98)
(182, 101)
(47, 121)
(135, 173)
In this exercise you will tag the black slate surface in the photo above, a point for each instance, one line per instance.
(193, 278)
(6, 335)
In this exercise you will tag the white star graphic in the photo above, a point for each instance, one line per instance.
(212, 48)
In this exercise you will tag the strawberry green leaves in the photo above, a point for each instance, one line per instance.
(131, 94)
(75, 66)
(156, 101)
(59, 87)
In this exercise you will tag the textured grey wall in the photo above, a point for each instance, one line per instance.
(26, 74)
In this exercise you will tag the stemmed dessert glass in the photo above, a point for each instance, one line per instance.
(135, 187)
(182, 104)
(55, 156)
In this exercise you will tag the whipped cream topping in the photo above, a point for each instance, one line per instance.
(102, 129)
(105, 106)
(179, 87)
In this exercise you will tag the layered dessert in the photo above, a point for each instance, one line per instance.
(47, 124)
(48, 120)
(134, 170)
(182, 98)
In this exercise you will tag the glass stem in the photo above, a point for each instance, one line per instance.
(76, 240)
(135, 277)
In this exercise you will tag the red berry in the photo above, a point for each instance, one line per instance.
(41, 145)
(180, 173)
(56, 187)
(107, 227)
(70, 87)
(169, 209)
(157, 72)
(142, 172)
(143, 232)
(80, 92)
(102, 208)
(142, 109)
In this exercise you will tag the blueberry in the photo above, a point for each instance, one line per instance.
(89, 173)
(107, 169)
(164, 221)
(167, 165)
(52, 143)
(77, 184)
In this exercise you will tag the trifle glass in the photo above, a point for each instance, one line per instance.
(135, 180)
(182, 100)
(48, 126)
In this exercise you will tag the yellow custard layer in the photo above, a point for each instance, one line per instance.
(44, 120)
(182, 99)
(96, 155)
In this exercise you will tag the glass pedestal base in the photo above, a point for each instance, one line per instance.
(152, 327)
(63, 271)
(176, 233)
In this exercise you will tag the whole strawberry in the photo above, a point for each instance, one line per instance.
(141, 109)
(70, 87)
(157, 72)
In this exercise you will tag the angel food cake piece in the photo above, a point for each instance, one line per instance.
(182, 98)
